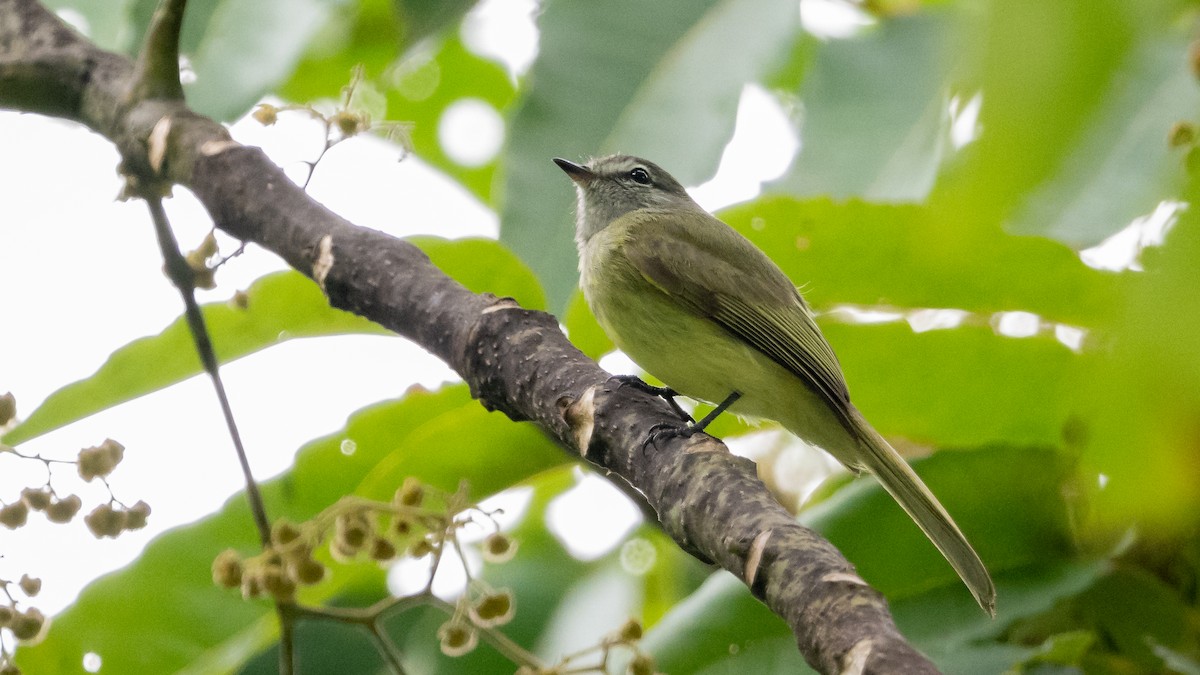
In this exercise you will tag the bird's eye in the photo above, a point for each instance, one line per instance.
(640, 175)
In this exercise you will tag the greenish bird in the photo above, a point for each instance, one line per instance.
(701, 308)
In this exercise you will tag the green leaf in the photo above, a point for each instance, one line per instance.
(1133, 610)
(1008, 500)
(913, 257)
(107, 23)
(248, 50)
(961, 386)
(1065, 649)
(484, 266)
(421, 18)
(683, 113)
(583, 329)
(875, 112)
(280, 307)
(1120, 167)
(204, 628)
(239, 51)
(425, 85)
(674, 94)
(1139, 399)
(1044, 69)
(362, 33)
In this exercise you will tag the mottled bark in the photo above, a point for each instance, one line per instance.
(516, 361)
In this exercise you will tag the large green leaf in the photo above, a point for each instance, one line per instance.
(875, 112)
(421, 18)
(1044, 69)
(1007, 499)
(913, 257)
(167, 597)
(239, 51)
(668, 89)
(1120, 166)
(107, 24)
(280, 307)
(1140, 398)
(960, 386)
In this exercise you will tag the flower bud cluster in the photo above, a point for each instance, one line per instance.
(110, 520)
(57, 510)
(26, 625)
(100, 460)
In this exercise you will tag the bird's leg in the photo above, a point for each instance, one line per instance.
(666, 393)
(722, 407)
(664, 431)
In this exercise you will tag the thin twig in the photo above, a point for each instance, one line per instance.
(184, 279)
(386, 649)
(287, 638)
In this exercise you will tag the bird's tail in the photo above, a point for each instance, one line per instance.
(910, 492)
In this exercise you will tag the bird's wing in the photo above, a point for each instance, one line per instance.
(739, 288)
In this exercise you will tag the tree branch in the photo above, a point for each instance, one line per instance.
(515, 360)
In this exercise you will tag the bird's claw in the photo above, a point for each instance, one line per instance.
(665, 393)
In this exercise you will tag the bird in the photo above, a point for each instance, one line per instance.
(700, 307)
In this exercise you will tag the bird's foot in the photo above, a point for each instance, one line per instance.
(665, 393)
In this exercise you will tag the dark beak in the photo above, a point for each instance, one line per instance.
(578, 172)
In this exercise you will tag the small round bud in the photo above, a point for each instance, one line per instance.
(63, 510)
(100, 460)
(642, 664)
(352, 530)
(284, 532)
(105, 521)
(277, 583)
(457, 638)
(349, 123)
(631, 631)
(8, 408)
(341, 552)
(208, 245)
(494, 609)
(227, 569)
(266, 114)
(27, 625)
(205, 278)
(382, 550)
(135, 517)
(401, 526)
(38, 499)
(499, 548)
(411, 493)
(420, 548)
(14, 515)
(240, 300)
(1182, 133)
(251, 586)
(30, 585)
(306, 571)
(7, 614)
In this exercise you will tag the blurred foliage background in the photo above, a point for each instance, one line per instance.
(958, 162)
